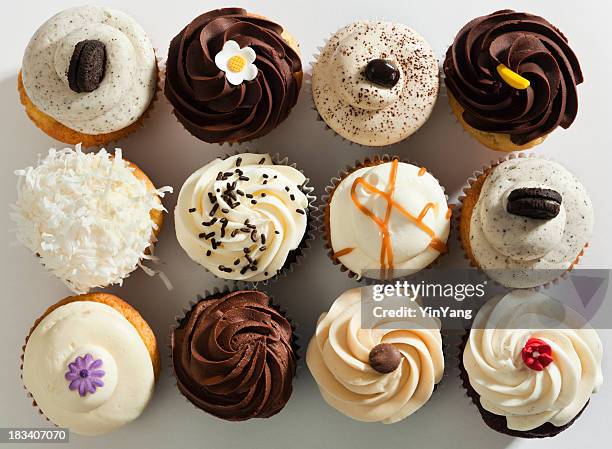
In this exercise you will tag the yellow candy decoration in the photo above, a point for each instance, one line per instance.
(512, 78)
(236, 63)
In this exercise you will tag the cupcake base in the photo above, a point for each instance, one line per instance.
(60, 132)
(494, 141)
(497, 422)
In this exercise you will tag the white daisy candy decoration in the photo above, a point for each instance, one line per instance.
(236, 62)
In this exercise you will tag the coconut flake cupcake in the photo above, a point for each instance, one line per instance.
(90, 218)
(511, 79)
(232, 76)
(90, 363)
(89, 76)
(374, 374)
(245, 217)
(530, 364)
(375, 83)
(385, 219)
(234, 355)
(525, 221)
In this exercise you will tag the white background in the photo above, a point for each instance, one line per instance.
(168, 154)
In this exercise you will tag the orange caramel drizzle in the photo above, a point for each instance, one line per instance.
(422, 171)
(343, 252)
(386, 250)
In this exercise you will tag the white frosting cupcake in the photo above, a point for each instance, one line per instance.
(129, 75)
(532, 360)
(375, 83)
(387, 219)
(89, 217)
(87, 368)
(242, 217)
(380, 374)
(512, 246)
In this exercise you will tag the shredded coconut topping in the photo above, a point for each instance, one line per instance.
(86, 215)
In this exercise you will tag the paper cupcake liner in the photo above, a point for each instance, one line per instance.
(497, 422)
(295, 257)
(323, 217)
(458, 209)
(181, 319)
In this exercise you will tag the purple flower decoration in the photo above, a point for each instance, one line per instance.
(84, 374)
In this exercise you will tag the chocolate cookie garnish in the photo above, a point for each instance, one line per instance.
(385, 358)
(534, 202)
(87, 66)
(382, 72)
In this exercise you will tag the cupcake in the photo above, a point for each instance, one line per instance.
(244, 217)
(374, 374)
(375, 83)
(90, 218)
(530, 364)
(525, 221)
(232, 76)
(511, 79)
(90, 363)
(89, 76)
(385, 219)
(234, 355)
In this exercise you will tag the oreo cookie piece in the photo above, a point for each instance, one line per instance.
(534, 202)
(87, 66)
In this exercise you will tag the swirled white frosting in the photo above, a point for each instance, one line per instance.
(74, 330)
(361, 111)
(507, 387)
(522, 252)
(86, 216)
(130, 77)
(353, 230)
(248, 236)
(338, 358)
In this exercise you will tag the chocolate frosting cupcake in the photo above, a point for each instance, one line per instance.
(210, 105)
(534, 50)
(233, 356)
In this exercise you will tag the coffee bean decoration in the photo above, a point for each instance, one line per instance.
(534, 202)
(87, 66)
(382, 72)
(385, 358)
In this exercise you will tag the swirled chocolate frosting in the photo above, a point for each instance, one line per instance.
(233, 356)
(209, 106)
(528, 45)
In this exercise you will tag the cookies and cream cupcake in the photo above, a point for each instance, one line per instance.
(245, 217)
(511, 79)
(90, 218)
(530, 364)
(232, 76)
(234, 355)
(90, 363)
(375, 83)
(385, 218)
(89, 75)
(374, 374)
(525, 221)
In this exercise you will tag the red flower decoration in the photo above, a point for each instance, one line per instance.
(537, 354)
